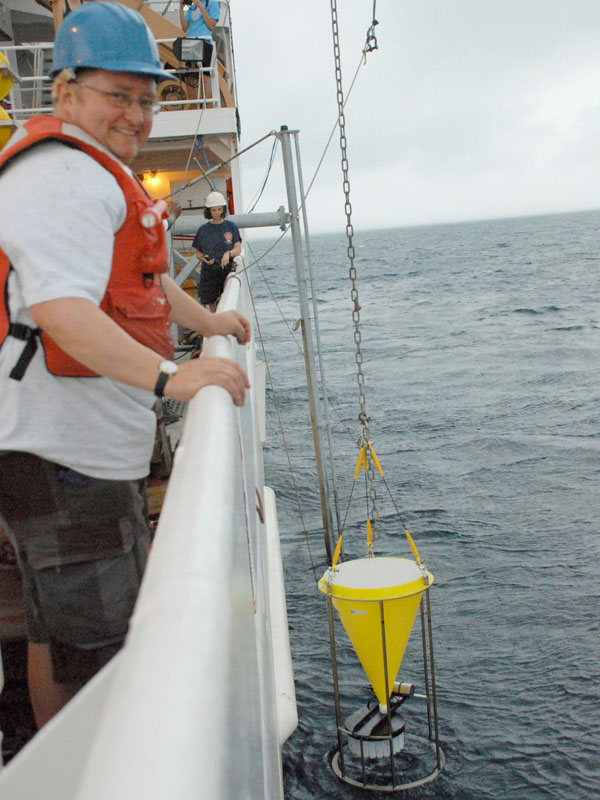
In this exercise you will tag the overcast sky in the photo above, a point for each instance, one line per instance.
(469, 109)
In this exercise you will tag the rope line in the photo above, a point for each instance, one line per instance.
(313, 179)
(274, 299)
(295, 340)
(217, 166)
(266, 178)
(207, 162)
(370, 44)
(281, 429)
(315, 174)
(193, 145)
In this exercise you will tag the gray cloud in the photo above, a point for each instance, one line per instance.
(469, 109)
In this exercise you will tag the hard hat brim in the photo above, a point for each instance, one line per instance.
(135, 68)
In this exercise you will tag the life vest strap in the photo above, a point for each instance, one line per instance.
(30, 336)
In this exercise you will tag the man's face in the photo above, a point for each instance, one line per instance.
(123, 131)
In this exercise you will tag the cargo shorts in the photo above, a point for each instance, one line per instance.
(82, 545)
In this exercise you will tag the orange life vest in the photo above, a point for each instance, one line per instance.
(134, 296)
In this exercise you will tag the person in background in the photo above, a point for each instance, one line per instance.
(216, 244)
(198, 19)
(86, 348)
(61, 8)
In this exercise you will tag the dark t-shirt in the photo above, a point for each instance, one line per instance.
(214, 241)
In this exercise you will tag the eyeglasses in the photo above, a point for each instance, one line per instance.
(122, 100)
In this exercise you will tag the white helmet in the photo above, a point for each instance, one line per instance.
(214, 200)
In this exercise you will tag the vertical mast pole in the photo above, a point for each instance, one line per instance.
(313, 295)
(311, 372)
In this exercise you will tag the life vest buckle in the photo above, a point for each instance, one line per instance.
(22, 332)
(29, 335)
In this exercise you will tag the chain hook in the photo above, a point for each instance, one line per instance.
(371, 43)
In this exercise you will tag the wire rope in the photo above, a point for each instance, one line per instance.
(217, 166)
(266, 178)
(193, 145)
(281, 428)
(371, 44)
(314, 177)
(207, 162)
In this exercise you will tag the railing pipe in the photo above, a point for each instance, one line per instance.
(188, 224)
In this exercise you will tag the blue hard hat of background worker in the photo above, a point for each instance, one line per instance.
(107, 36)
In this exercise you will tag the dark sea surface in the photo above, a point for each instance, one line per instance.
(481, 348)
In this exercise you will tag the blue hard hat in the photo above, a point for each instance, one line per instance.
(107, 36)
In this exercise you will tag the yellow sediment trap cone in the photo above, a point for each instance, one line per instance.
(361, 591)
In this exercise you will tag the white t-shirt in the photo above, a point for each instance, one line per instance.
(61, 210)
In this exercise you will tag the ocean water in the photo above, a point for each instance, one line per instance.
(481, 355)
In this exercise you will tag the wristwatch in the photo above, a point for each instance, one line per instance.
(167, 369)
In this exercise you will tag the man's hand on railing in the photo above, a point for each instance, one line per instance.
(231, 323)
(197, 373)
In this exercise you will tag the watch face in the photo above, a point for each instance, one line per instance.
(169, 367)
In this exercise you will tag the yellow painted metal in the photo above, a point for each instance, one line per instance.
(336, 553)
(375, 460)
(6, 127)
(359, 589)
(6, 76)
(413, 547)
(369, 534)
(361, 461)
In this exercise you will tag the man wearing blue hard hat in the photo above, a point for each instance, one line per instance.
(86, 349)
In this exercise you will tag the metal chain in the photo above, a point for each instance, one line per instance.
(363, 416)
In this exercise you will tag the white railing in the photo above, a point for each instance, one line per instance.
(32, 93)
(196, 704)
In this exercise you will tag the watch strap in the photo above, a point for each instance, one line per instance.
(159, 389)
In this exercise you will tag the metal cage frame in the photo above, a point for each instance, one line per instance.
(338, 761)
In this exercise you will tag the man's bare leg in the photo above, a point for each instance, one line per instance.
(47, 696)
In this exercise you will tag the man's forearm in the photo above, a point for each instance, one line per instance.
(185, 311)
(87, 334)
